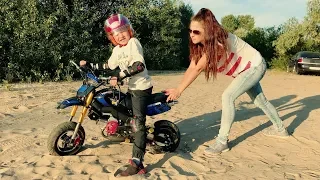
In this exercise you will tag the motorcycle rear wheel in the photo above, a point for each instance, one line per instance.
(167, 134)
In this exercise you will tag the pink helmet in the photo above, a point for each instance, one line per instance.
(117, 23)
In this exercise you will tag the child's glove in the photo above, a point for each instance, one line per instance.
(114, 81)
(82, 63)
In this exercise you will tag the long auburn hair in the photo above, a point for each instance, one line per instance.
(214, 35)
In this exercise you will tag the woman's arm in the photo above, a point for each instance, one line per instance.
(192, 65)
(190, 75)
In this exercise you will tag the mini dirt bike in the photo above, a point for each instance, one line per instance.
(112, 107)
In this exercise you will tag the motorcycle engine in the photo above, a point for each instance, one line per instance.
(112, 127)
(93, 116)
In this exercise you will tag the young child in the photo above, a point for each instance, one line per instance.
(127, 55)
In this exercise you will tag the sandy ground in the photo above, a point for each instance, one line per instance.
(28, 114)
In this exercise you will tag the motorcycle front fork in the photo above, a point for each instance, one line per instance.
(82, 115)
(150, 135)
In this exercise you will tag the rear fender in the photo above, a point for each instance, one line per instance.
(162, 97)
(73, 101)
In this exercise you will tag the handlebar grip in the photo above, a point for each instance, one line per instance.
(120, 83)
(85, 68)
(107, 80)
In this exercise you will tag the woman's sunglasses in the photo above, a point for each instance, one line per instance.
(196, 32)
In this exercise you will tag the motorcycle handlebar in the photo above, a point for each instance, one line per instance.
(105, 80)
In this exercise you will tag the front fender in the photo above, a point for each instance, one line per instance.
(70, 102)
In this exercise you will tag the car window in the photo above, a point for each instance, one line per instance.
(311, 55)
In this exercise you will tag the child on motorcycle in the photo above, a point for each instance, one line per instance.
(127, 62)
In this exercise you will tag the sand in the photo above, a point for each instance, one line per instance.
(28, 113)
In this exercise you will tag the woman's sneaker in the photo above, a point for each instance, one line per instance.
(273, 131)
(216, 149)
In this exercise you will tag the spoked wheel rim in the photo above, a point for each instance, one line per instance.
(64, 143)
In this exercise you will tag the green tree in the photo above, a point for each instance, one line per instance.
(239, 25)
(246, 22)
(230, 23)
(23, 38)
(186, 14)
(162, 28)
(39, 37)
(312, 25)
(241, 32)
(299, 36)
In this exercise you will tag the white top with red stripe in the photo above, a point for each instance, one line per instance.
(241, 57)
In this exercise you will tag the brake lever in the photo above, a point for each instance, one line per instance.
(75, 64)
(79, 69)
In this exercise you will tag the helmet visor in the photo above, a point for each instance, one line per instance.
(118, 30)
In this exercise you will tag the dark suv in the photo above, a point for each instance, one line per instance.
(304, 61)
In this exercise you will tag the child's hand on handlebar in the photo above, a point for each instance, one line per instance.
(114, 81)
(83, 63)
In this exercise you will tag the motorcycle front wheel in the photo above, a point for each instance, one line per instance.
(60, 142)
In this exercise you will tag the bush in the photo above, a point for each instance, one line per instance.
(38, 38)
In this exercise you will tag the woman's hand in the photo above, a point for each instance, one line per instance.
(190, 75)
(114, 81)
(83, 63)
(173, 94)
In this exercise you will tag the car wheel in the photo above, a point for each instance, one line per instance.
(296, 70)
